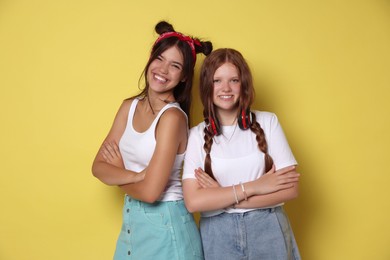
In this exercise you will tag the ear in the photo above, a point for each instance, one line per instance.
(184, 77)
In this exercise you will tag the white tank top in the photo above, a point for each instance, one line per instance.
(137, 150)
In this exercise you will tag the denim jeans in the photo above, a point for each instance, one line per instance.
(253, 235)
(163, 230)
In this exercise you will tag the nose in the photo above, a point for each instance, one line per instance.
(226, 86)
(164, 67)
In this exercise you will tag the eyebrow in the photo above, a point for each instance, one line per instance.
(232, 77)
(174, 62)
(178, 63)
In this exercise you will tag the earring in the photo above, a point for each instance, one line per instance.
(244, 119)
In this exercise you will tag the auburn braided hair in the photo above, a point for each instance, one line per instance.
(211, 63)
(261, 142)
(208, 142)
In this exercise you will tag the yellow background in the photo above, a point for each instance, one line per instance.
(321, 66)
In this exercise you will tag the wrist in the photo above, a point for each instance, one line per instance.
(239, 193)
(130, 176)
(250, 189)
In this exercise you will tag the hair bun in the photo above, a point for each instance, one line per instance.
(207, 47)
(163, 27)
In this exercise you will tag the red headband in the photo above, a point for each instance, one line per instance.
(183, 38)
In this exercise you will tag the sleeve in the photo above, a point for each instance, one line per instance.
(194, 157)
(278, 146)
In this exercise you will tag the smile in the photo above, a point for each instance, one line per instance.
(159, 78)
(226, 97)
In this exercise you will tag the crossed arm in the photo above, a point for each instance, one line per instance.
(147, 185)
(108, 165)
(272, 188)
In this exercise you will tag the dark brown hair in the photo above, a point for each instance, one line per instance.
(215, 60)
(182, 92)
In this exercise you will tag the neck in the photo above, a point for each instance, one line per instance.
(227, 118)
(157, 102)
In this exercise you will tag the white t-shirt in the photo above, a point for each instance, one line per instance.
(235, 156)
(137, 150)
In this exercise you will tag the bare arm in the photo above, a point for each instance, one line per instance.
(111, 173)
(200, 198)
(271, 199)
(171, 138)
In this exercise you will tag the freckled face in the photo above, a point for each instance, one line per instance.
(227, 86)
(165, 72)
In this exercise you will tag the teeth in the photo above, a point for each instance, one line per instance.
(159, 78)
(225, 97)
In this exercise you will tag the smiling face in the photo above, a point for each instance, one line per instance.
(166, 71)
(227, 86)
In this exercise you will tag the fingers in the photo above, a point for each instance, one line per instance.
(110, 151)
(290, 177)
(104, 156)
(203, 175)
(204, 180)
(286, 186)
(115, 147)
(107, 156)
(286, 170)
(109, 147)
(272, 170)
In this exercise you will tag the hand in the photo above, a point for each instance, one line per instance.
(274, 181)
(204, 180)
(111, 154)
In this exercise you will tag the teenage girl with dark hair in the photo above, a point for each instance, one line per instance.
(239, 193)
(144, 151)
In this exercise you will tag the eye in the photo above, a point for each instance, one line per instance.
(216, 80)
(176, 66)
(235, 80)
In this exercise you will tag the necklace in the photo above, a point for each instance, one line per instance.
(166, 101)
(150, 105)
(234, 130)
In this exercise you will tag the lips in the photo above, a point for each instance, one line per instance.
(225, 96)
(160, 78)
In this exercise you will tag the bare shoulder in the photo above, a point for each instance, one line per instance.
(174, 116)
(173, 124)
(125, 106)
(124, 109)
(120, 121)
(172, 130)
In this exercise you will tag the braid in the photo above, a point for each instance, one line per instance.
(208, 142)
(261, 142)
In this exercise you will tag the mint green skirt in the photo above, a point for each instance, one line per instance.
(164, 230)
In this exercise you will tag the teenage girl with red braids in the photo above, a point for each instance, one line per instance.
(238, 169)
(144, 151)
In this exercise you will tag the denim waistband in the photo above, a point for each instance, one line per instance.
(248, 213)
(134, 203)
